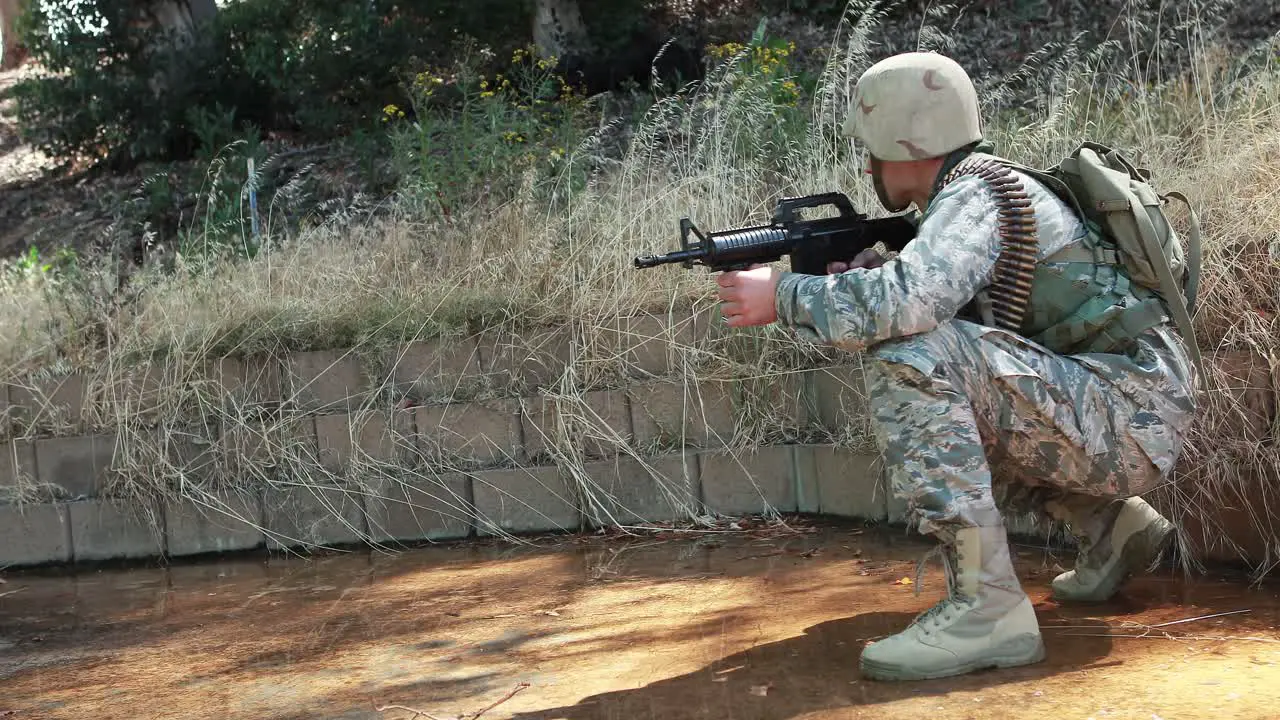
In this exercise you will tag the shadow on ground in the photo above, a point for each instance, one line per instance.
(811, 672)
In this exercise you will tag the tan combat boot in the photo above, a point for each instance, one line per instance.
(985, 621)
(1117, 538)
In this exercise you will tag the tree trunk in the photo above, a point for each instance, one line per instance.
(10, 51)
(558, 29)
(181, 16)
(179, 21)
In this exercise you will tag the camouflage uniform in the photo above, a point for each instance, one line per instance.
(959, 406)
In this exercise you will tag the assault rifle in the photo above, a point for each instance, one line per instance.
(811, 244)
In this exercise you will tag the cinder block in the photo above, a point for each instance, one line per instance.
(194, 454)
(326, 381)
(848, 483)
(626, 491)
(654, 345)
(808, 499)
(540, 426)
(103, 530)
(425, 507)
(595, 423)
(484, 432)
(675, 414)
(34, 534)
(602, 419)
(518, 500)
(55, 405)
(313, 516)
(839, 397)
(709, 327)
(138, 394)
(17, 468)
(220, 521)
(773, 404)
(1243, 405)
(534, 359)
(380, 437)
(439, 369)
(6, 413)
(253, 447)
(250, 382)
(77, 465)
(737, 483)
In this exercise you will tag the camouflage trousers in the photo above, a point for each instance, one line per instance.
(965, 408)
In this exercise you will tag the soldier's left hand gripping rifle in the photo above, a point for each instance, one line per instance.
(810, 244)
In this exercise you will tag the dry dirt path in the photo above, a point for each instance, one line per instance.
(722, 627)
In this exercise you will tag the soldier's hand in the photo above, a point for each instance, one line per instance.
(748, 297)
(866, 259)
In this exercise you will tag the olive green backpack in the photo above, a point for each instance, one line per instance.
(1114, 196)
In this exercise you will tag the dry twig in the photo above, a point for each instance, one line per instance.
(472, 716)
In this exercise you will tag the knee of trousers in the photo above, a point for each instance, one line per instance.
(918, 371)
(918, 361)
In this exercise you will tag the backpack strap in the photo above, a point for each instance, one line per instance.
(1168, 286)
(1193, 250)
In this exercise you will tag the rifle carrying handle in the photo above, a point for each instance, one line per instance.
(787, 206)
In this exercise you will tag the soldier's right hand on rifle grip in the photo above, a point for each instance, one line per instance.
(866, 259)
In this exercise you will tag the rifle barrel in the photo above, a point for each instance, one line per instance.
(648, 261)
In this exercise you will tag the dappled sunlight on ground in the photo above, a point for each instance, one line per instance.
(699, 626)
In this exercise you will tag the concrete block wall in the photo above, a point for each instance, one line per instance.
(434, 440)
(438, 439)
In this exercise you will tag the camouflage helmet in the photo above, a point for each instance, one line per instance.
(914, 106)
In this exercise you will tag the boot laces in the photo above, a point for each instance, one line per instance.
(954, 601)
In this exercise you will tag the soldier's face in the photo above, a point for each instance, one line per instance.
(893, 184)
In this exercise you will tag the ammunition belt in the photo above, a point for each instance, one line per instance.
(1010, 289)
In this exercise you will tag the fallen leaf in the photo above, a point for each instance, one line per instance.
(903, 581)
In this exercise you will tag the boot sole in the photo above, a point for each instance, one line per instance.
(1140, 551)
(1022, 650)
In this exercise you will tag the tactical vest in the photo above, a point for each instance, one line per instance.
(1079, 300)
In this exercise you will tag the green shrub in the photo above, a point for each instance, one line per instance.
(116, 90)
(470, 137)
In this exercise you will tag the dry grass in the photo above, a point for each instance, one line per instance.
(711, 154)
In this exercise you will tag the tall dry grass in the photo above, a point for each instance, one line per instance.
(711, 152)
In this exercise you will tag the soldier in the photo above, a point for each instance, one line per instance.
(963, 408)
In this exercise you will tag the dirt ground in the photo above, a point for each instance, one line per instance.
(749, 625)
